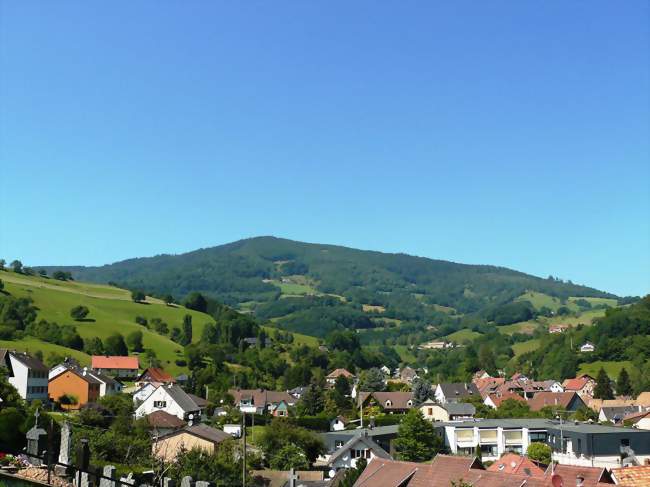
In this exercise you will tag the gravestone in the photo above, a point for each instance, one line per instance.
(187, 481)
(167, 482)
(35, 442)
(202, 483)
(129, 480)
(64, 450)
(109, 471)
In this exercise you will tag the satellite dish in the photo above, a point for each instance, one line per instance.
(331, 473)
(557, 480)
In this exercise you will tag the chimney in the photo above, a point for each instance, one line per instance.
(85, 370)
(580, 481)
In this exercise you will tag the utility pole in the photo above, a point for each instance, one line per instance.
(243, 472)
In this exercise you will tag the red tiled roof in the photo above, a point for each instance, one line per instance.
(398, 400)
(155, 374)
(115, 362)
(545, 398)
(162, 419)
(632, 476)
(497, 399)
(513, 463)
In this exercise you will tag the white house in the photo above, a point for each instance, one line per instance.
(171, 399)
(338, 423)
(587, 347)
(107, 385)
(27, 374)
(359, 446)
(385, 370)
(455, 392)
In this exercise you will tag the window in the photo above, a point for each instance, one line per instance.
(160, 404)
(368, 454)
(490, 450)
(539, 436)
(515, 449)
(430, 411)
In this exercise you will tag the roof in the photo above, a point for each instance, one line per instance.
(162, 419)
(408, 372)
(338, 372)
(513, 463)
(576, 384)
(262, 397)
(632, 476)
(366, 440)
(460, 408)
(114, 362)
(643, 399)
(617, 414)
(382, 472)
(103, 377)
(458, 389)
(506, 423)
(181, 398)
(199, 401)
(156, 374)
(24, 358)
(546, 398)
(202, 431)
(636, 417)
(488, 384)
(82, 374)
(497, 399)
(592, 475)
(399, 400)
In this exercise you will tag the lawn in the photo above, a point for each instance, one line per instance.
(294, 288)
(597, 301)
(111, 311)
(521, 327)
(540, 300)
(405, 353)
(461, 336)
(527, 346)
(612, 368)
(31, 345)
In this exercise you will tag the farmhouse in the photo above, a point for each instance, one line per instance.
(122, 367)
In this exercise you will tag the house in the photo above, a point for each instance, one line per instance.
(632, 476)
(164, 423)
(155, 376)
(597, 445)
(280, 409)
(554, 329)
(481, 374)
(199, 436)
(384, 436)
(533, 387)
(455, 392)
(141, 394)
(297, 392)
(511, 463)
(451, 411)
(584, 385)
(26, 373)
(643, 400)
(385, 370)
(67, 363)
(495, 400)
(259, 401)
(390, 402)
(171, 399)
(359, 446)
(597, 404)
(565, 401)
(107, 385)
(587, 347)
(488, 385)
(116, 366)
(338, 424)
(638, 420)
(335, 374)
(408, 375)
(616, 415)
(519, 377)
(73, 388)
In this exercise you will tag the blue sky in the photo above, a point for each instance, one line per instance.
(509, 133)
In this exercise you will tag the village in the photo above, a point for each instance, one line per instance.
(516, 430)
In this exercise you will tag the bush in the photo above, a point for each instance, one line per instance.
(314, 423)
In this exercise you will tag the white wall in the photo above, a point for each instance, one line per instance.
(25, 384)
(160, 394)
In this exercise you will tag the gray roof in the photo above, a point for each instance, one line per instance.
(202, 431)
(376, 431)
(617, 413)
(532, 423)
(181, 398)
(460, 408)
(29, 361)
(594, 428)
(459, 389)
(365, 439)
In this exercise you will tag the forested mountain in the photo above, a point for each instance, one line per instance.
(315, 288)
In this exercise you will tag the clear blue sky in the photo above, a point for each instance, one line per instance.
(512, 133)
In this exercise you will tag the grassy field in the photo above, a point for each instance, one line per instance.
(405, 353)
(111, 309)
(521, 327)
(298, 338)
(31, 345)
(461, 336)
(540, 300)
(612, 368)
(369, 308)
(527, 346)
(598, 301)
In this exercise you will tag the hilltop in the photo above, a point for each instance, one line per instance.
(314, 288)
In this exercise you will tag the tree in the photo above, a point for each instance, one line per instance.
(372, 380)
(421, 391)
(3, 263)
(416, 439)
(138, 296)
(603, 389)
(79, 312)
(312, 401)
(280, 433)
(221, 467)
(94, 346)
(288, 457)
(623, 386)
(353, 474)
(197, 302)
(134, 340)
(141, 320)
(115, 345)
(2, 285)
(62, 276)
(187, 330)
(539, 452)
(17, 266)
(342, 385)
(169, 299)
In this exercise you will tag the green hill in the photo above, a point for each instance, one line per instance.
(111, 311)
(328, 287)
